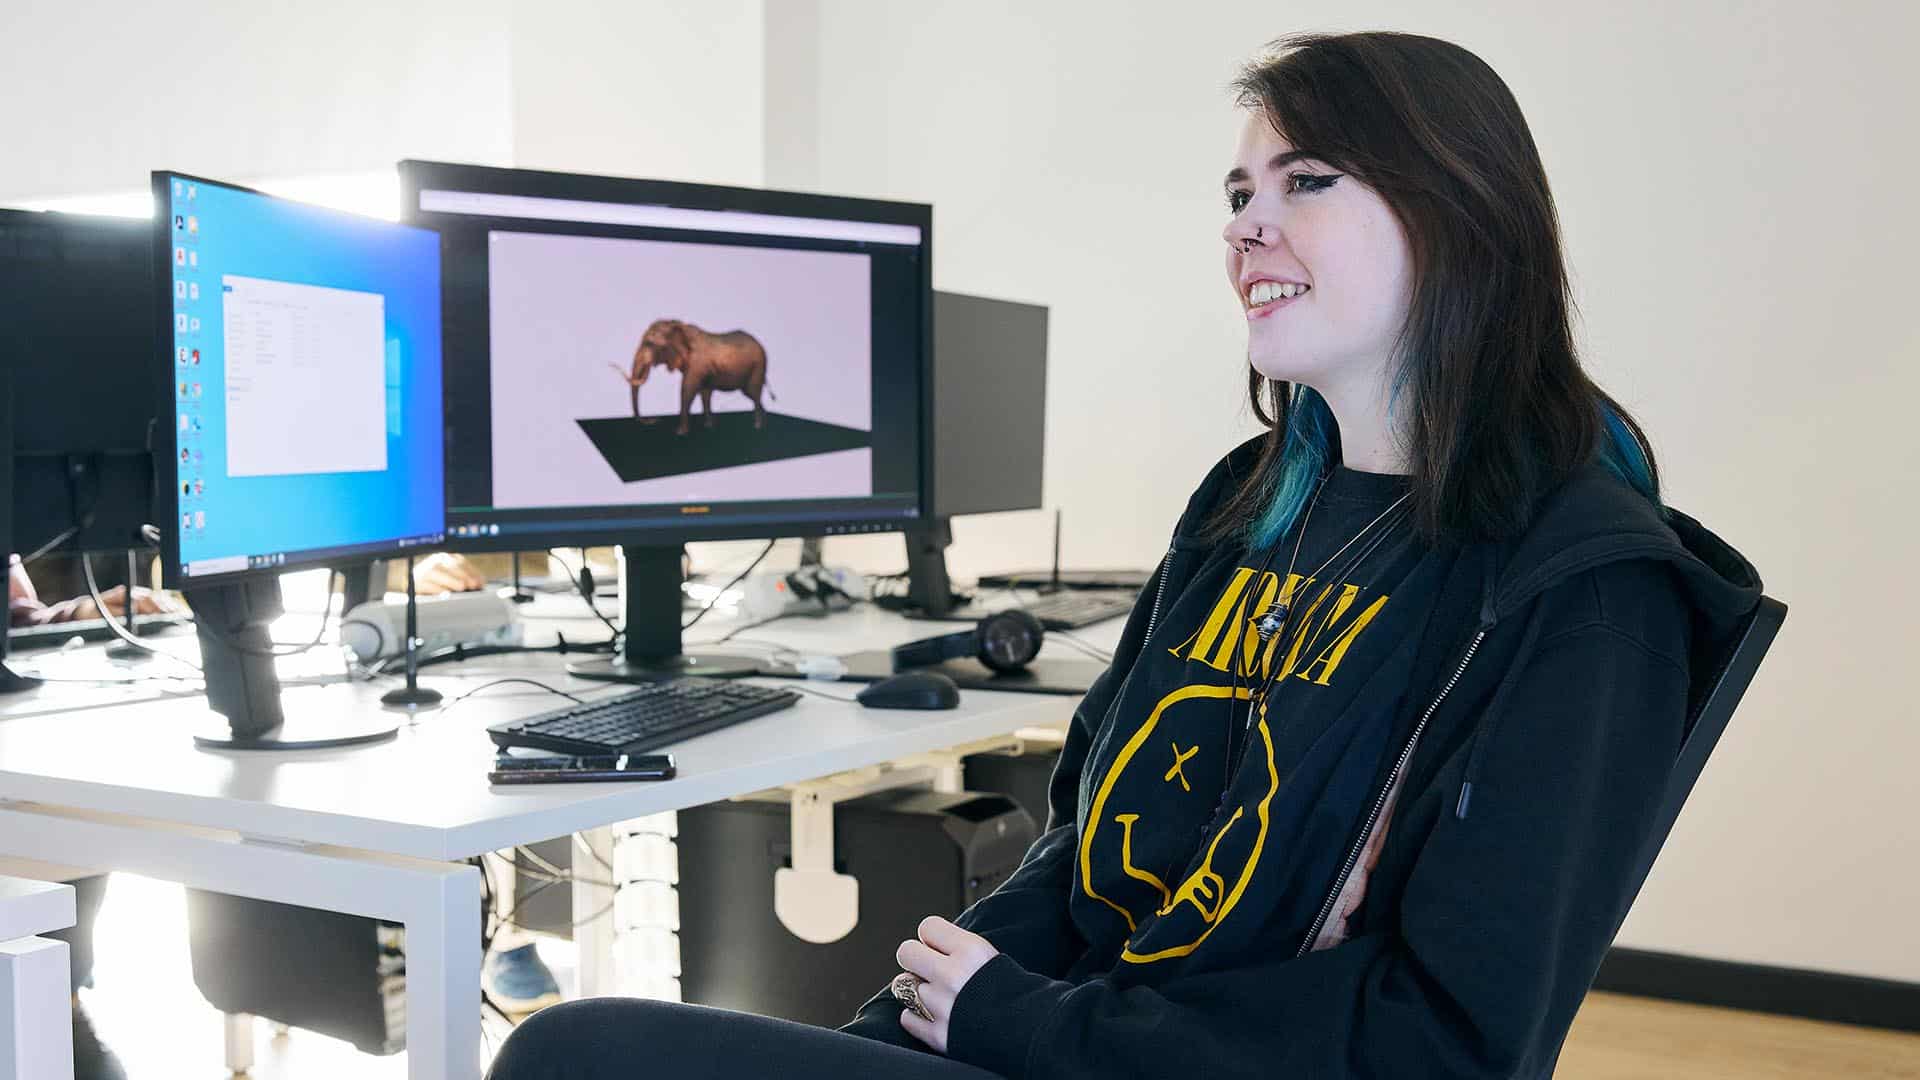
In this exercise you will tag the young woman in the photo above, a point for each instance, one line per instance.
(1362, 789)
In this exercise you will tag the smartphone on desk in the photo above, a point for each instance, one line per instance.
(566, 769)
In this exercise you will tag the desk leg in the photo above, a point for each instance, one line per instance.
(443, 983)
(593, 923)
(438, 902)
(36, 1028)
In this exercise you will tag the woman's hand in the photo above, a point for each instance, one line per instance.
(946, 956)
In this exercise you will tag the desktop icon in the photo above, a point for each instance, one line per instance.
(199, 487)
(179, 256)
(183, 389)
(183, 455)
(186, 488)
(186, 520)
(199, 519)
(193, 259)
(193, 191)
(193, 290)
(180, 322)
(183, 421)
(193, 224)
(196, 389)
(195, 321)
(177, 185)
(196, 357)
(179, 222)
(183, 354)
(180, 290)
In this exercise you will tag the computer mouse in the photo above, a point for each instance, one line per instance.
(911, 690)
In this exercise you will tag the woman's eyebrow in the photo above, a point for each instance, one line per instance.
(1279, 161)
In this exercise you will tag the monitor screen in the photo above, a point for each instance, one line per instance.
(304, 409)
(644, 361)
(76, 297)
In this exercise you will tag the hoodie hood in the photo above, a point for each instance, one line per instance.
(1591, 519)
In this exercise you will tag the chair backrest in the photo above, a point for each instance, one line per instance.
(1733, 660)
(1739, 656)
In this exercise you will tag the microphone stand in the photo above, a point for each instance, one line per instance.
(413, 694)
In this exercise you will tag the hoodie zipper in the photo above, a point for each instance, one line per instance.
(1379, 800)
(1154, 616)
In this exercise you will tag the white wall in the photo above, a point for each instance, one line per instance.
(1734, 181)
(98, 93)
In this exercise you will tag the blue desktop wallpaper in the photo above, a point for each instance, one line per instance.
(216, 231)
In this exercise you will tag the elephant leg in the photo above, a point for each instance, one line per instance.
(706, 399)
(636, 400)
(687, 392)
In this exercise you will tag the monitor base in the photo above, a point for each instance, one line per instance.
(300, 733)
(621, 669)
(11, 682)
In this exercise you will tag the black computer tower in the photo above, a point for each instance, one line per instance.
(915, 853)
(341, 975)
(1022, 777)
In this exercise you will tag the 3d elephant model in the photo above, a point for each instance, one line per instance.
(706, 362)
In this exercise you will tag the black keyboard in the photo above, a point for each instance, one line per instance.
(650, 715)
(47, 635)
(1071, 610)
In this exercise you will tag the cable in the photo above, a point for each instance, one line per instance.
(738, 578)
(284, 648)
(503, 682)
(580, 586)
(42, 551)
(821, 693)
(93, 591)
(1089, 648)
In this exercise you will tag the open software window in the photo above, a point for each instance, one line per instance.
(306, 378)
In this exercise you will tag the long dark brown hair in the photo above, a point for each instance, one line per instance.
(1500, 409)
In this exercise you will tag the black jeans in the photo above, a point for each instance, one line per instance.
(637, 1039)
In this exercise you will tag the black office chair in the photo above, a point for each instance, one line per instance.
(1710, 705)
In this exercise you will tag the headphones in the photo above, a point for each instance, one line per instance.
(1004, 641)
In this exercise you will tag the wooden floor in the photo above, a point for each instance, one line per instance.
(1616, 1037)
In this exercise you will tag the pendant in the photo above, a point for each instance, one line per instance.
(1270, 623)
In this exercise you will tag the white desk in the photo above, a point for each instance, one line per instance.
(36, 1040)
(375, 830)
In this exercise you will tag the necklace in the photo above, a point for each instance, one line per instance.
(1278, 615)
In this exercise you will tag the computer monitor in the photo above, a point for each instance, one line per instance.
(302, 348)
(76, 298)
(646, 363)
(989, 433)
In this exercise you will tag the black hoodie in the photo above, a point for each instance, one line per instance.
(1534, 719)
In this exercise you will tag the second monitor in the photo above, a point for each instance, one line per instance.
(646, 363)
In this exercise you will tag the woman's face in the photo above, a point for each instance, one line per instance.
(1301, 223)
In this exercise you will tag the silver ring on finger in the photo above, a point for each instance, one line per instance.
(906, 990)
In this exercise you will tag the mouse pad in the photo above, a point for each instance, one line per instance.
(1043, 676)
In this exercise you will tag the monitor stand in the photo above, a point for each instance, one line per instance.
(650, 649)
(929, 589)
(242, 686)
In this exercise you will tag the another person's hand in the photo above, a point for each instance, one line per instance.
(82, 608)
(445, 571)
(945, 956)
(23, 604)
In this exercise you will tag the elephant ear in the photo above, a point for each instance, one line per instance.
(682, 345)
